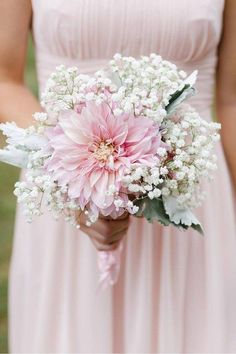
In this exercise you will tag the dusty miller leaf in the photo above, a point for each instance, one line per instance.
(180, 215)
(178, 97)
(153, 209)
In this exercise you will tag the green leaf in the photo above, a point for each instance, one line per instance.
(177, 94)
(198, 227)
(152, 209)
(178, 97)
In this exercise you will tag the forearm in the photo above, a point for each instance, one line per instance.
(17, 104)
(227, 117)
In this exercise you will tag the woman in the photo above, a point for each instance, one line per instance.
(176, 291)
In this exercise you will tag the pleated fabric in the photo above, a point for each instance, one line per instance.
(176, 291)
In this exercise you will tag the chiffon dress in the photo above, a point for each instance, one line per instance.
(177, 290)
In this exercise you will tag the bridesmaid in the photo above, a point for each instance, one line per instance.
(176, 291)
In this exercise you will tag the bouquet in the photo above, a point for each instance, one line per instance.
(122, 140)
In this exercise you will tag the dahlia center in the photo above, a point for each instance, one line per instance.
(103, 151)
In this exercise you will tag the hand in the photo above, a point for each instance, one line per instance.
(105, 233)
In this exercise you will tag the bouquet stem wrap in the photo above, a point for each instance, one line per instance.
(109, 266)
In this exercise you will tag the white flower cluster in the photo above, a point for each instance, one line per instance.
(146, 85)
(61, 90)
(142, 87)
(67, 89)
(143, 180)
(122, 204)
(190, 142)
(39, 192)
(184, 161)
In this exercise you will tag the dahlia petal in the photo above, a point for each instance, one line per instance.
(70, 124)
(99, 191)
(98, 198)
(94, 209)
(75, 187)
(94, 177)
(141, 147)
(87, 190)
(120, 138)
(136, 134)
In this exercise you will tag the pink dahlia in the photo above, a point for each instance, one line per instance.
(91, 150)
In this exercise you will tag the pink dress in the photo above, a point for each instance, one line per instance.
(177, 290)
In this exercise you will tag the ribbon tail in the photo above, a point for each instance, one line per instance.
(109, 266)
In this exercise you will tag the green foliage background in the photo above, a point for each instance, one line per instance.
(8, 177)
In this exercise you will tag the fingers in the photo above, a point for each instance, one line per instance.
(125, 215)
(105, 227)
(105, 234)
(109, 228)
(102, 240)
(105, 247)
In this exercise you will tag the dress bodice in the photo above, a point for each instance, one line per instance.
(88, 33)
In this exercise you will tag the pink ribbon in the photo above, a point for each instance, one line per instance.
(109, 266)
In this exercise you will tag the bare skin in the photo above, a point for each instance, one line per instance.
(18, 104)
(16, 101)
(226, 86)
(106, 233)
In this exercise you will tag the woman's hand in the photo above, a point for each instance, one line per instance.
(106, 233)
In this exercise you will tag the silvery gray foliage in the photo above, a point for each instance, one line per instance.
(178, 98)
(14, 157)
(180, 215)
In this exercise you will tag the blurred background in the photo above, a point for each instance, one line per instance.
(8, 177)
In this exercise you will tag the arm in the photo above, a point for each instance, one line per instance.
(226, 86)
(16, 102)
